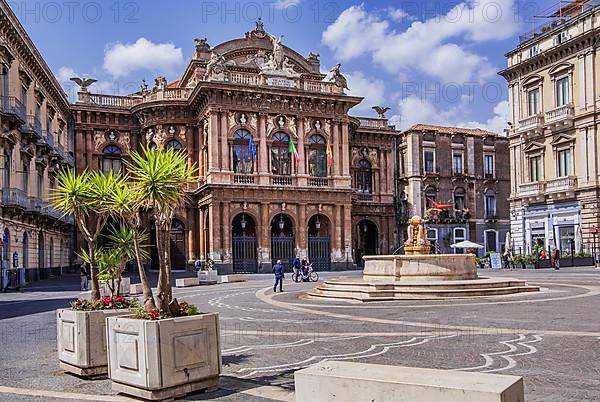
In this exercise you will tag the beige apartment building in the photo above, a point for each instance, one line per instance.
(553, 93)
(35, 142)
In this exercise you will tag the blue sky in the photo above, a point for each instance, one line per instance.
(431, 62)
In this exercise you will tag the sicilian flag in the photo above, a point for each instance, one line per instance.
(252, 147)
(329, 155)
(292, 151)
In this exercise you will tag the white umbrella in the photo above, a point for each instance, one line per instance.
(466, 244)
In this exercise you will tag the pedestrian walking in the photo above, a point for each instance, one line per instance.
(83, 276)
(506, 258)
(555, 260)
(279, 275)
(198, 265)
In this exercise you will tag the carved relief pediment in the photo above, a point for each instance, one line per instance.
(534, 147)
(562, 140)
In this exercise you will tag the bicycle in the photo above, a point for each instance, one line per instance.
(311, 275)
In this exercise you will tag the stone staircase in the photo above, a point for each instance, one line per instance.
(366, 291)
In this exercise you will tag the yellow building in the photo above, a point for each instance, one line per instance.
(34, 144)
(553, 94)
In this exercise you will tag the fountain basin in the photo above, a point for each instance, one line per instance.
(423, 267)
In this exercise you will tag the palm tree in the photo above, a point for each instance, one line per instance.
(125, 243)
(160, 179)
(86, 196)
(126, 208)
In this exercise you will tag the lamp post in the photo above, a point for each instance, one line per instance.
(281, 223)
(243, 224)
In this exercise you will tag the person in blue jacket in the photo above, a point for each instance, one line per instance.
(279, 275)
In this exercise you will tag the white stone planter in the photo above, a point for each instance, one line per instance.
(124, 289)
(81, 340)
(166, 358)
(208, 277)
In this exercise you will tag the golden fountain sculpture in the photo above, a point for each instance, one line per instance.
(417, 237)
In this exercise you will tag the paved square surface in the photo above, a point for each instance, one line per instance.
(552, 338)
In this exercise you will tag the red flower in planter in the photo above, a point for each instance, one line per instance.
(105, 301)
(154, 314)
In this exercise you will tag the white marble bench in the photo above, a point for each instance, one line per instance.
(331, 381)
(186, 282)
(232, 278)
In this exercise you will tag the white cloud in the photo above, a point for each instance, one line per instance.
(373, 90)
(281, 4)
(414, 110)
(64, 74)
(122, 59)
(399, 15)
(434, 47)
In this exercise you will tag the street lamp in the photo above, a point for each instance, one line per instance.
(243, 222)
(318, 223)
(281, 223)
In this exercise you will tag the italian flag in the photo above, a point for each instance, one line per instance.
(329, 155)
(292, 151)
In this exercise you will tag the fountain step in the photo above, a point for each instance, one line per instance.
(366, 294)
(482, 283)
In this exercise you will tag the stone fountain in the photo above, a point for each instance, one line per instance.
(418, 275)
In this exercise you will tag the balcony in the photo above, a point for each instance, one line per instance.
(243, 178)
(362, 197)
(533, 192)
(373, 123)
(531, 125)
(70, 159)
(318, 182)
(60, 150)
(32, 124)
(560, 117)
(15, 198)
(281, 180)
(10, 105)
(562, 187)
(49, 138)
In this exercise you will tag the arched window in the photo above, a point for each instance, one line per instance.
(111, 159)
(317, 158)
(243, 162)
(173, 144)
(363, 177)
(459, 199)
(430, 195)
(280, 154)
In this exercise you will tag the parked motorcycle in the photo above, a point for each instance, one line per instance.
(308, 276)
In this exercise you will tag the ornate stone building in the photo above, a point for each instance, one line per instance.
(284, 169)
(35, 142)
(553, 94)
(456, 178)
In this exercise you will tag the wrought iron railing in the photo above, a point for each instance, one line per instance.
(12, 105)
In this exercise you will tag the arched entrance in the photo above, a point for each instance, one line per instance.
(367, 240)
(178, 259)
(41, 274)
(282, 240)
(319, 249)
(177, 246)
(244, 244)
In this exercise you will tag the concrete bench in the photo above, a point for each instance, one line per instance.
(344, 381)
(207, 277)
(186, 282)
(136, 289)
(232, 278)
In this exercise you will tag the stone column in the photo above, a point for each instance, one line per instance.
(345, 155)
(264, 236)
(200, 226)
(337, 242)
(336, 148)
(224, 143)
(191, 239)
(213, 143)
(302, 234)
(213, 233)
(302, 176)
(346, 224)
(263, 157)
(390, 171)
(226, 232)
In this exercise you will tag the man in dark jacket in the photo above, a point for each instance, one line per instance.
(279, 275)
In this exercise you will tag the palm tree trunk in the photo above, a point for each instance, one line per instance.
(147, 291)
(163, 286)
(93, 272)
